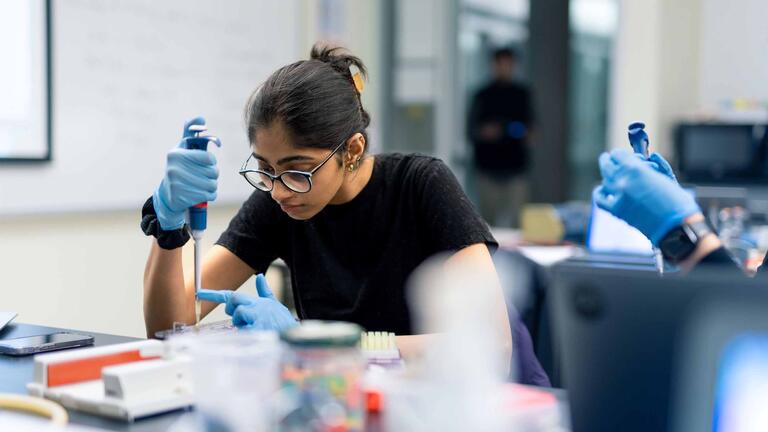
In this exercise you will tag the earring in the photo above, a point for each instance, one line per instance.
(353, 166)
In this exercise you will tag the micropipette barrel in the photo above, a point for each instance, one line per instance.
(638, 138)
(639, 141)
(198, 214)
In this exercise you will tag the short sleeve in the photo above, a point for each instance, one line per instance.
(446, 214)
(254, 234)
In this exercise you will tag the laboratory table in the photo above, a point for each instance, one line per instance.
(16, 372)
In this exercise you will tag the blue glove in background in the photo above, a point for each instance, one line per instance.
(661, 165)
(648, 200)
(190, 178)
(263, 312)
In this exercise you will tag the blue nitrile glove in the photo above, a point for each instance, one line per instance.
(644, 198)
(661, 165)
(262, 313)
(190, 178)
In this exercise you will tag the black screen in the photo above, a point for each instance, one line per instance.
(728, 148)
(721, 152)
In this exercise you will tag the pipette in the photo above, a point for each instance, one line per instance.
(638, 138)
(639, 141)
(198, 214)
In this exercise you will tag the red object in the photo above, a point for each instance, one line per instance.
(89, 368)
(525, 396)
(516, 395)
(201, 205)
(373, 401)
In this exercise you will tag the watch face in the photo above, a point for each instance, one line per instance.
(677, 245)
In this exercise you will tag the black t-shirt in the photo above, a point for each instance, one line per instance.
(351, 262)
(509, 105)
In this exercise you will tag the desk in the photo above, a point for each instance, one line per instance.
(16, 372)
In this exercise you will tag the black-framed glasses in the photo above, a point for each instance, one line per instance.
(297, 181)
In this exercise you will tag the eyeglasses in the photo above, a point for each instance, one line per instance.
(297, 181)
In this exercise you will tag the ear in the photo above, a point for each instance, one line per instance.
(355, 148)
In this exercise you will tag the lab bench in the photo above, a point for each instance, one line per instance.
(16, 372)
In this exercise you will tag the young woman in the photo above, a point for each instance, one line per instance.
(350, 226)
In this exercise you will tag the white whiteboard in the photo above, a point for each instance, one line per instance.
(734, 51)
(23, 80)
(126, 75)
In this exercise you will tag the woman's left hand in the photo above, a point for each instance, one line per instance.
(262, 312)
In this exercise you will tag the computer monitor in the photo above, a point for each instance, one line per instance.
(626, 342)
(722, 364)
(742, 385)
(721, 153)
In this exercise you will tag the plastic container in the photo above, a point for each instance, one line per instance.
(235, 378)
(321, 371)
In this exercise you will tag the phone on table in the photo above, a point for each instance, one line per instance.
(43, 343)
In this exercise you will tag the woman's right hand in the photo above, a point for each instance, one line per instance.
(643, 196)
(190, 178)
(661, 165)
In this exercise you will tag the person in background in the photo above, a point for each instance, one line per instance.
(646, 195)
(499, 129)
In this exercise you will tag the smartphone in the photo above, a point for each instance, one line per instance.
(42, 343)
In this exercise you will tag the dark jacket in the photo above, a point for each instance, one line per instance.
(508, 105)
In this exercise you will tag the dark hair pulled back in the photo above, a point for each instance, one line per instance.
(315, 100)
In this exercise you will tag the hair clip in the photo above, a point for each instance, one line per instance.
(357, 78)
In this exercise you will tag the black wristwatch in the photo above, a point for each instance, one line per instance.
(680, 243)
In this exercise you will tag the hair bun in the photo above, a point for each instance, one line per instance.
(338, 58)
(315, 100)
